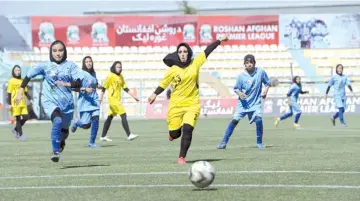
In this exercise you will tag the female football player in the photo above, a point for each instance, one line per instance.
(88, 102)
(339, 81)
(19, 111)
(184, 106)
(294, 108)
(57, 100)
(114, 83)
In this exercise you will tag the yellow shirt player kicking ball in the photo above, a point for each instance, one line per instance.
(19, 111)
(184, 106)
(114, 83)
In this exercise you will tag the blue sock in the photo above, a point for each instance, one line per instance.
(297, 117)
(336, 115)
(94, 130)
(56, 134)
(259, 130)
(341, 115)
(286, 115)
(229, 131)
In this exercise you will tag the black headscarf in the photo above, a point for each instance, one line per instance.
(250, 58)
(13, 73)
(52, 59)
(338, 66)
(112, 69)
(91, 71)
(294, 81)
(173, 58)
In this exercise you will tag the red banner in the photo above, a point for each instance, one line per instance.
(209, 107)
(243, 30)
(155, 30)
(73, 31)
(88, 31)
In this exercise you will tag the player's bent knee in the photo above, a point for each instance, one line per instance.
(87, 126)
(57, 120)
(65, 133)
(25, 117)
(123, 116)
(235, 122)
(188, 129)
(175, 133)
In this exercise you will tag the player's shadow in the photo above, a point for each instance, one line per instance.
(205, 189)
(82, 166)
(208, 160)
(108, 145)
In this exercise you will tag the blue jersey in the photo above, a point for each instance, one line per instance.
(88, 101)
(339, 82)
(294, 92)
(54, 96)
(251, 85)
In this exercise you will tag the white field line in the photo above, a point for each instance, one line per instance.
(174, 173)
(180, 185)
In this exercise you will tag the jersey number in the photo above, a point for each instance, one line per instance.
(177, 80)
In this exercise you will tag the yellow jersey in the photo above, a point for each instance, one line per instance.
(185, 82)
(13, 89)
(114, 83)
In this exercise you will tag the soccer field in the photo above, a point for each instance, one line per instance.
(320, 162)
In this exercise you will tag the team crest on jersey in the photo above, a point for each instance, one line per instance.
(249, 82)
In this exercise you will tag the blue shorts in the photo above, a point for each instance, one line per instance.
(340, 102)
(294, 108)
(240, 113)
(85, 117)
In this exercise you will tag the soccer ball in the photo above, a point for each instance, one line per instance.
(201, 174)
(274, 82)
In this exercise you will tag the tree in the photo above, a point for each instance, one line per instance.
(188, 10)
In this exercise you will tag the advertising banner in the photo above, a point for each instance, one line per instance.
(243, 30)
(155, 30)
(82, 31)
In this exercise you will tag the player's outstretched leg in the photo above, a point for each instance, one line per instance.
(229, 131)
(283, 117)
(259, 132)
(20, 121)
(126, 127)
(296, 120)
(185, 142)
(106, 129)
(94, 131)
(341, 116)
(56, 135)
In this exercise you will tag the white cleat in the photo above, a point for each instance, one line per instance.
(132, 136)
(106, 138)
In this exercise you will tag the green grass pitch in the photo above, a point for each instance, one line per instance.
(320, 162)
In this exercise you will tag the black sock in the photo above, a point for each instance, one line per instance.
(186, 139)
(18, 127)
(24, 119)
(125, 124)
(107, 125)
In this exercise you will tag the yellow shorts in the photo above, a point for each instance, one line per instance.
(116, 109)
(178, 116)
(17, 111)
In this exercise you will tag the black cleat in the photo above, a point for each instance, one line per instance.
(62, 145)
(332, 121)
(55, 157)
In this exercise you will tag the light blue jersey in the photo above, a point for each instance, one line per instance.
(339, 82)
(251, 85)
(88, 101)
(54, 96)
(293, 93)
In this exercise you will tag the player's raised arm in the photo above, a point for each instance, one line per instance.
(76, 76)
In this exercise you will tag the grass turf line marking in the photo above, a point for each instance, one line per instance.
(184, 185)
(174, 173)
